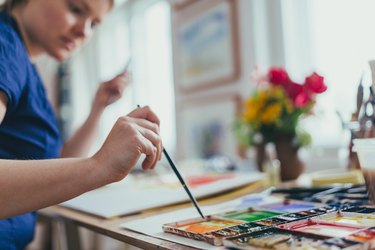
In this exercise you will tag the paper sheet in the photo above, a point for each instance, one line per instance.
(132, 196)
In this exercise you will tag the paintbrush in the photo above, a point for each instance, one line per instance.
(182, 181)
(175, 170)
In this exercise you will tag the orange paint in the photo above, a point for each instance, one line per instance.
(208, 226)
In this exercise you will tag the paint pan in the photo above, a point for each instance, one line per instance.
(235, 231)
(275, 238)
(321, 228)
(248, 215)
(273, 221)
(199, 228)
(338, 243)
(366, 220)
(216, 237)
(366, 235)
(297, 216)
(361, 210)
(290, 206)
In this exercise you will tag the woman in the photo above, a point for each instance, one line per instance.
(30, 176)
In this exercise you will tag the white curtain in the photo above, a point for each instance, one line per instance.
(140, 29)
(103, 57)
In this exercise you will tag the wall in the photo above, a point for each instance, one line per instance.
(260, 42)
(262, 25)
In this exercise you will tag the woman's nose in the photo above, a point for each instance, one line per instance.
(83, 29)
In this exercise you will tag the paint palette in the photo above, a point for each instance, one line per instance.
(318, 227)
(291, 224)
(291, 206)
(275, 238)
(366, 220)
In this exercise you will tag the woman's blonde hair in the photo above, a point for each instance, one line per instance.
(9, 4)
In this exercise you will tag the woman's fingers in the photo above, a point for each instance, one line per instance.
(148, 119)
(145, 113)
(130, 137)
(153, 154)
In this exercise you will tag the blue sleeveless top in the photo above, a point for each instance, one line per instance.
(29, 129)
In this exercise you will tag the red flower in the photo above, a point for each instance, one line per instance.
(278, 76)
(301, 99)
(315, 83)
(297, 94)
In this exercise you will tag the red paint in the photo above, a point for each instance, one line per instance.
(203, 180)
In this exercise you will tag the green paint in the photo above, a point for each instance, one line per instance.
(250, 216)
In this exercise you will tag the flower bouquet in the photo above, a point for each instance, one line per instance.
(273, 111)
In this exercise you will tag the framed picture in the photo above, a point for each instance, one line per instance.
(206, 44)
(206, 127)
(180, 4)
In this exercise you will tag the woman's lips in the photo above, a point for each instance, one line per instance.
(68, 43)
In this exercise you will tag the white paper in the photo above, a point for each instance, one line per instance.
(132, 196)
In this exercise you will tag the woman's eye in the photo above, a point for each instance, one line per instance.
(74, 9)
(94, 24)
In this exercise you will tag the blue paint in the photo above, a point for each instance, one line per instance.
(291, 208)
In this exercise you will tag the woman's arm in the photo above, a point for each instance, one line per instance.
(30, 185)
(27, 186)
(109, 92)
(3, 105)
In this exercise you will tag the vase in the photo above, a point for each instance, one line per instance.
(260, 156)
(286, 151)
(291, 166)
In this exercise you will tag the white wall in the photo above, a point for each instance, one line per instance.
(262, 41)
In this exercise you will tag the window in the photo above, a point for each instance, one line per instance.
(336, 39)
(140, 30)
(151, 50)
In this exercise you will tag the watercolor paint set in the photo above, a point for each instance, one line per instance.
(289, 224)
(276, 238)
(347, 194)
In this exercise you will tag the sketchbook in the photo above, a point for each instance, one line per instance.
(135, 194)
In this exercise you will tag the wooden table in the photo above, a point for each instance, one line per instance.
(111, 227)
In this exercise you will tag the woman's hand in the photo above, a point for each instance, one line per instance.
(110, 91)
(131, 136)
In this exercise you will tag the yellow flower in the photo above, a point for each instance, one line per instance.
(252, 108)
(271, 114)
(262, 96)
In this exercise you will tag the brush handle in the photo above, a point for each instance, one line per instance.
(175, 170)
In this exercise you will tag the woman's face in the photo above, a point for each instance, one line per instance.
(57, 27)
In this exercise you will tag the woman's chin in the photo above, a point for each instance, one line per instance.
(60, 55)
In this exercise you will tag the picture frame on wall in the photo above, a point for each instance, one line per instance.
(206, 45)
(180, 4)
(206, 127)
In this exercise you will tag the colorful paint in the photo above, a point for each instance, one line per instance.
(250, 216)
(239, 230)
(360, 220)
(287, 225)
(208, 226)
(296, 216)
(289, 206)
(321, 228)
(194, 181)
(276, 239)
(362, 236)
(273, 221)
